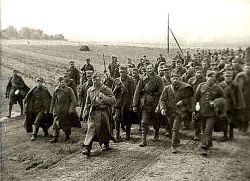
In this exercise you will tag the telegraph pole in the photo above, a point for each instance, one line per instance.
(168, 33)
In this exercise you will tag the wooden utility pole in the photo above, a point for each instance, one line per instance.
(176, 41)
(168, 33)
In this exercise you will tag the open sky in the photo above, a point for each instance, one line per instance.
(132, 20)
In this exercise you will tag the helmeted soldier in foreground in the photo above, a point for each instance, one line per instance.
(37, 104)
(174, 103)
(16, 91)
(123, 88)
(63, 104)
(145, 101)
(97, 111)
(205, 94)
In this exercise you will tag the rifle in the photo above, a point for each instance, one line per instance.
(104, 63)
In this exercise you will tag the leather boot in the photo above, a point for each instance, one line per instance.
(10, 109)
(53, 140)
(156, 136)
(86, 152)
(46, 133)
(118, 137)
(128, 130)
(67, 138)
(144, 141)
(35, 131)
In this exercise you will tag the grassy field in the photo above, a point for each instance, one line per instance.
(40, 160)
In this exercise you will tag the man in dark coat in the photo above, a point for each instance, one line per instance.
(145, 101)
(123, 88)
(114, 68)
(74, 73)
(174, 103)
(230, 89)
(242, 80)
(84, 88)
(205, 94)
(16, 91)
(37, 104)
(179, 69)
(86, 67)
(99, 101)
(158, 61)
(70, 83)
(194, 82)
(63, 104)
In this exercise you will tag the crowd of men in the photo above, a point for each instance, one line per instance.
(204, 92)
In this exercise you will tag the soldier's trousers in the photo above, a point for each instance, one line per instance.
(176, 130)
(56, 131)
(38, 119)
(199, 126)
(208, 132)
(145, 121)
(242, 118)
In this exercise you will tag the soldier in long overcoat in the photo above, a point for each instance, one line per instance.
(63, 104)
(242, 79)
(174, 103)
(205, 94)
(123, 88)
(230, 89)
(99, 102)
(194, 82)
(16, 91)
(145, 100)
(37, 104)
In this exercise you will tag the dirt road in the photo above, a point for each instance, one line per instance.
(41, 160)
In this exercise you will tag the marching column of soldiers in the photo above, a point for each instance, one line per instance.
(203, 92)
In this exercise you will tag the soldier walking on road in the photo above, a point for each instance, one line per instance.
(37, 104)
(145, 101)
(205, 94)
(123, 88)
(16, 91)
(63, 104)
(97, 111)
(74, 73)
(174, 103)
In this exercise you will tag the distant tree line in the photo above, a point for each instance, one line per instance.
(28, 33)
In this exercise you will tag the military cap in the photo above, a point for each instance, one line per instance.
(210, 73)
(15, 71)
(145, 56)
(89, 73)
(87, 59)
(135, 70)
(228, 73)
(167, 67)
(65, 74)
(97, 75)
(162, 64)
(39, 79)
(174, 74)
(113, 58)
(198, 68)
(71, 62)
(236, 60)
(60, 79)
(122, 69)
(205, 60)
